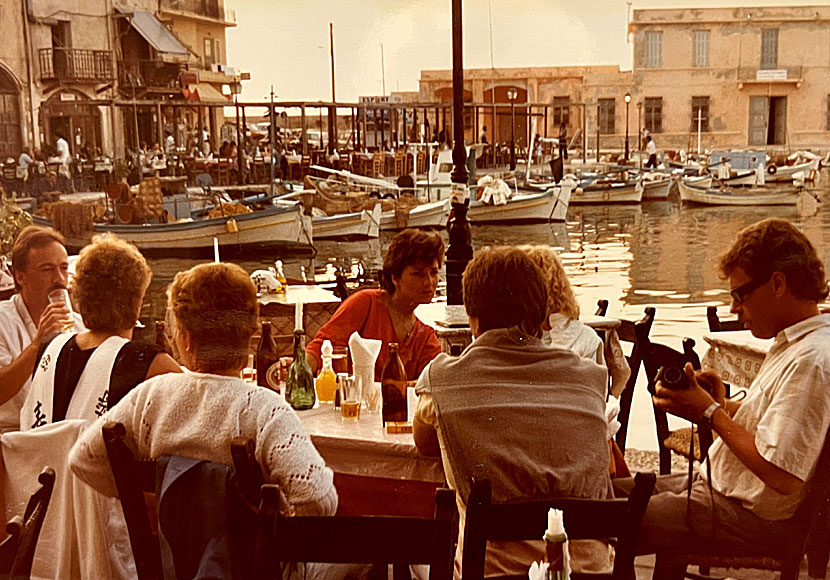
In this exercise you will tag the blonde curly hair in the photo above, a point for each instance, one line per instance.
(561, 296)
(111, 277)
(217, 305)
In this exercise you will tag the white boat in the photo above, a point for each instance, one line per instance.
(788, 172)
(656, 189)
(427, 215)
(601, 192)
(547, 206)
(348, 226)
(282, 225)
(693, 192)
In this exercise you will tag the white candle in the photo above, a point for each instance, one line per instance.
(216, 250)
(298, 315)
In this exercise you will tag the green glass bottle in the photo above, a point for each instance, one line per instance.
(299, 385)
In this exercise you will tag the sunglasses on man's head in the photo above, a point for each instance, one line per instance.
(743, 291)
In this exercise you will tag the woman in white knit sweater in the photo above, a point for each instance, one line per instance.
(198, 413)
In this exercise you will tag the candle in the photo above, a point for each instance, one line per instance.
(298, 315)
(216, 250)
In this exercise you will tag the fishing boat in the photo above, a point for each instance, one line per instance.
(546, 206)
(608, 191)
(280, 226)
(656, 188)
(361, 225)
(430, 215)
(809, 170)
(700, 192)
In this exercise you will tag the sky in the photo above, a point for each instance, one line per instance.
(286, 43)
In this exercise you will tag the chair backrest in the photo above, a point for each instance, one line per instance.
(134, 477)
(602, 307)
(634, 333)
(378, 540)
(527, 520)
(718, 325)
(656, 355)
(18, 550)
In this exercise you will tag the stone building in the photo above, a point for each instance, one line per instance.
(107, 74)
(752, 77)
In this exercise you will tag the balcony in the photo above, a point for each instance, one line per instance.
(78, 65)
(148, 76)
(208, 9)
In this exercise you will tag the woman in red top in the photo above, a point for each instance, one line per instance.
(409, 278)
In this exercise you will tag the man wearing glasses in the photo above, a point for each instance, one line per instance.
(768, 444)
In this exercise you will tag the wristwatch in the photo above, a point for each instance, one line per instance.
(706, 417)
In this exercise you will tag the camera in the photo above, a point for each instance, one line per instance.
(673, 378)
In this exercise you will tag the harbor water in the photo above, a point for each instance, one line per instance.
(660, 254)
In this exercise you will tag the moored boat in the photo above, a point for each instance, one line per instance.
(427, 215)
(359, 225)
(656, 189)
(278, 226)
(702, 193)
(607, 191)
(547, 206)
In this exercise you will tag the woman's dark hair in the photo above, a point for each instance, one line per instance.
(409, 247)
(775, 245)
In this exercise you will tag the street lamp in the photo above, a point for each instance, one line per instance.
(639, 133)
(511, 96)
(627, 102)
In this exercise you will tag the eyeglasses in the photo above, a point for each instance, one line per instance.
(743, 291)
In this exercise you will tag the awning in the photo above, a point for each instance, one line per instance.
(205, 93)
(156, 34)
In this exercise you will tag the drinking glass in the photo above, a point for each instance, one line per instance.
(350, 398)
(61, 296)
(340, 359)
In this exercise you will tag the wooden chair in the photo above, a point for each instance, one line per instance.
(527, 520)
(378, 540)
(635, 333)
(134, 478)
(718, 325)
(655, 356)
(807, 518)
(18, 550)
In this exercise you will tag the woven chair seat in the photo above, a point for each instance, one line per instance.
(679, 442)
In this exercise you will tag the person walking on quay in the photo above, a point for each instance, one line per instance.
(768, 444)
(563, 141)
(651, 150)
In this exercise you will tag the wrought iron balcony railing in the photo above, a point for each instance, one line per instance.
(75, 64)
(206, 8)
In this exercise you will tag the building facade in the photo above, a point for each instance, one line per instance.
(109, 74)
(742, 78)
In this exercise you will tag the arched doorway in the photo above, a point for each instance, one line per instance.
(501, 127)
(10, 140)
(66, 113)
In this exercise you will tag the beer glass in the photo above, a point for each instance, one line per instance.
(61, 295)
(350, 398)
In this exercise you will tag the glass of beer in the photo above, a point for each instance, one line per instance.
(350, 398)
(340, 359)
(61, 295)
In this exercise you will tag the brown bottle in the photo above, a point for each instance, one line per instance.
(393, 387)
(266, 356)
(161, 338)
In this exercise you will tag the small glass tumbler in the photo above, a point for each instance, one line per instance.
(61, 296)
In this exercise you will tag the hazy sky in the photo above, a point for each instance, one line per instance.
(286, 43)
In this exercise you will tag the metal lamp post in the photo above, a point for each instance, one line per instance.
(639, 133)
(627, 103)
(460, 250)
(511, 96)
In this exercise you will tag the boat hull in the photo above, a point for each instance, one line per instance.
(427, 215)
(657, 189)
(608, 194)
(551, 205)
(785, 173)
(263, 230)
(740, 197)
(361, 225)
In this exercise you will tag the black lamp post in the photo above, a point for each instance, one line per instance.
(511, 96)
(639, 133)
(460, 250)
(627, 103)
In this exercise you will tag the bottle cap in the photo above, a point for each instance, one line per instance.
(327, 349)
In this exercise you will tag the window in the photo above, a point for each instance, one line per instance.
(217, 50)
(654, 49)
(606, 120)
(700, 48)
(561, 110)
(700, 106)
(654, 114)
(209, 51)
(769, 48)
